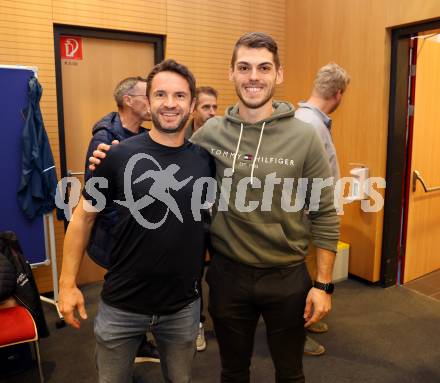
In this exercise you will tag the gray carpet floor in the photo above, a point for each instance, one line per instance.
(376, 335)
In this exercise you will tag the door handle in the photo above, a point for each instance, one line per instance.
(70, 173)
(418, 176)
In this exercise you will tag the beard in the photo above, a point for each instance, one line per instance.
(201, 121)
(255, 104)
(176, 129)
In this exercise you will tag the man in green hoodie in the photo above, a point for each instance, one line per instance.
(266, 162)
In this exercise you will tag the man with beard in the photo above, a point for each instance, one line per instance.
(259, 239)
(130, 95)
(152, 282)
(206, 108)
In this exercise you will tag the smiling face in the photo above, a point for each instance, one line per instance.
(170, 102)
(255, 75)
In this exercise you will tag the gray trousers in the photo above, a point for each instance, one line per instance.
(119, 333)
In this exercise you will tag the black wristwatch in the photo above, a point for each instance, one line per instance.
(327, 287)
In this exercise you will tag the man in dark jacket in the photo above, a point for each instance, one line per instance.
(131, 100)
(132, 103)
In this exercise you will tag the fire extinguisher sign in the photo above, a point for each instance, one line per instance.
(71, 47)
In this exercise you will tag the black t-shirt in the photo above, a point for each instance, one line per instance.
(158, 243)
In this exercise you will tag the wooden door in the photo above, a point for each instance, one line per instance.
(88, 85)
(423, 225)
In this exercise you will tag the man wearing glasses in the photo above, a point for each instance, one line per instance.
(131, 100)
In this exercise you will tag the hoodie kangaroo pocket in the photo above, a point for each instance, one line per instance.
(254, 242)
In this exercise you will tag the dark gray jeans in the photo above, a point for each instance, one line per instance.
(119, 333)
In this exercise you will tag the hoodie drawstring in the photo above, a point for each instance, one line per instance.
(256, 153)
(238, 146)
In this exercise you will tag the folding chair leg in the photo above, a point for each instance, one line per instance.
(40, 368)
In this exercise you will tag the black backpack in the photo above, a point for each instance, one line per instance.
(8, 279)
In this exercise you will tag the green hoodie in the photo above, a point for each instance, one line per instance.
(253, 226)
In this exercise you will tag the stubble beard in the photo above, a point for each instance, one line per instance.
(177, 129)
(253, 105)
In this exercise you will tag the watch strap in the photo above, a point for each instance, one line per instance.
(327, 287)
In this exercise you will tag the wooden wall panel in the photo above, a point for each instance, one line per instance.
(354, 34)
(401, 12)
(205, 45)
(199, 33)
(133, 15)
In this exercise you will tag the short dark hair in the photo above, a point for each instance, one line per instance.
(171, 65)
(257, 40)
(206, 90)
(124, 87)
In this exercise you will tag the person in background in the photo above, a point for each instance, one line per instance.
(130, 95)
(206, 108)
(330, 84)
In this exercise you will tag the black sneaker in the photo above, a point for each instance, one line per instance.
(147, 353)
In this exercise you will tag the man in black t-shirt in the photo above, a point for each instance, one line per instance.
(130, 95)
(152, 284)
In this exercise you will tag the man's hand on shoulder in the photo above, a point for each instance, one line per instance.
(99, 154)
